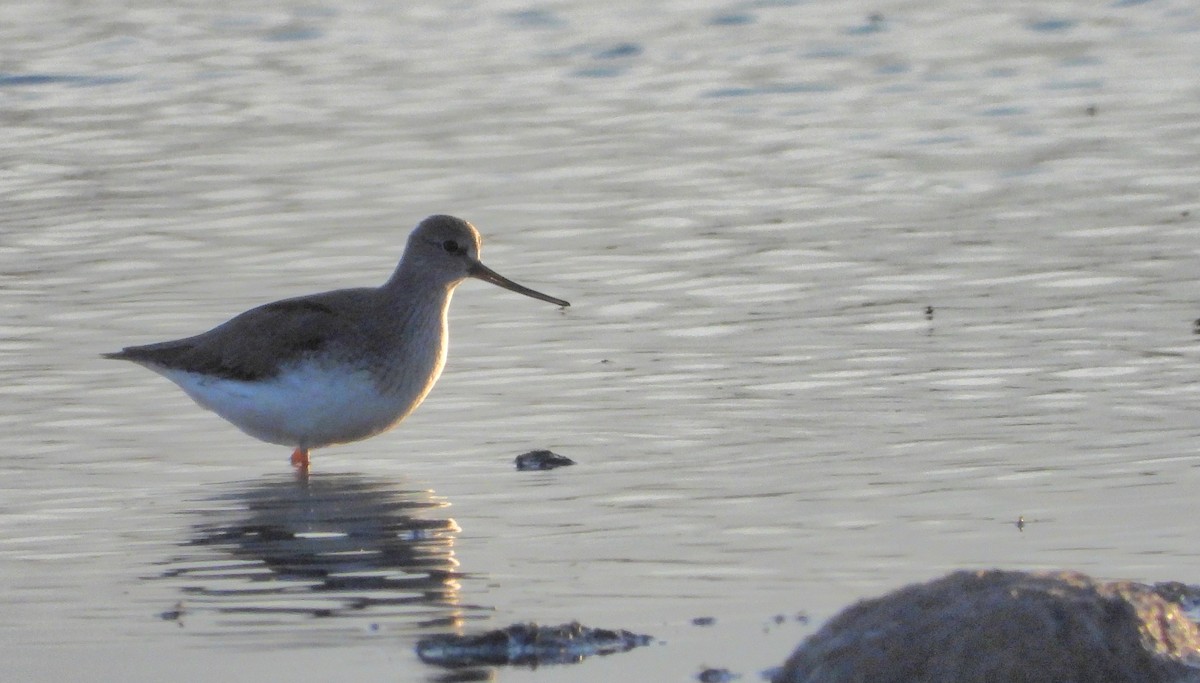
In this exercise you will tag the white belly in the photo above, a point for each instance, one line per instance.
(309, 406)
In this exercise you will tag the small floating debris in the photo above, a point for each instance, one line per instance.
(716, 676)
(929, 312)
(781, 619)
(541, 460)
(704, 621)
(175, 614)
(527, 644)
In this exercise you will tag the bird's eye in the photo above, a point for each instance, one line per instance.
(450, 246)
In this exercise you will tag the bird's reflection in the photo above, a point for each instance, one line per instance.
(328, 546)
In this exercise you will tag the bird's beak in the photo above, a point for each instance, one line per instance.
(482, 272)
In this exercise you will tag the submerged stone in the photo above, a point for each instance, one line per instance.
(527, 644)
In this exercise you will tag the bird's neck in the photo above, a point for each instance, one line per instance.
(414, 322)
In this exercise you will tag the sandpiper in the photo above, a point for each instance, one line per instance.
(338, 366)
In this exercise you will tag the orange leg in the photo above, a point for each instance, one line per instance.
(300, 459)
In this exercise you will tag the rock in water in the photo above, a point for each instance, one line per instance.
(541, 460)
(527, 644)
(988, 626)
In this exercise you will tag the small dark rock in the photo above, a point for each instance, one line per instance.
(716, 676)
(541, 460)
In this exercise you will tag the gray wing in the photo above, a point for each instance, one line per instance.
(254, 345)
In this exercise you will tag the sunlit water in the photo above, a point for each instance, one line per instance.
(749, 205)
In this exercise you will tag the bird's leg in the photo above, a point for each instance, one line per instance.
(300, 459)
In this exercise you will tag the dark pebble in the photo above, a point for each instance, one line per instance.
(541, 460)
(715, 676)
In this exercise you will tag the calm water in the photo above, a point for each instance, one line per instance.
(750, 206)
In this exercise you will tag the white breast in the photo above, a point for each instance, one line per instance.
(308, 406)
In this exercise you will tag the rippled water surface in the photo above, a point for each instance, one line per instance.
(855, 286)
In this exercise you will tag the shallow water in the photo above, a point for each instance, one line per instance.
(749, 205)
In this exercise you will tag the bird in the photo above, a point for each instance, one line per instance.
(338, 366)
